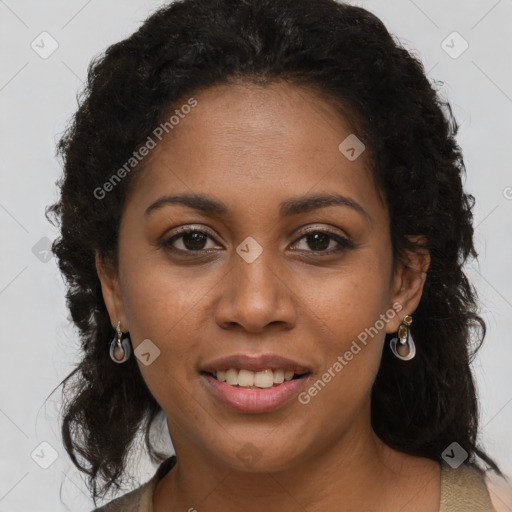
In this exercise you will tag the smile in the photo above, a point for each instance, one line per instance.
(253, 398)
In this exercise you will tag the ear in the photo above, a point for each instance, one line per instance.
(407, 284)
(111, 292)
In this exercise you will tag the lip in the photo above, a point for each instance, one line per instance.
(255, 363)
(254, 400)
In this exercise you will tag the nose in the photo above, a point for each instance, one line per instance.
(255, 295)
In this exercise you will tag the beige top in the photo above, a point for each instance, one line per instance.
(462, 490)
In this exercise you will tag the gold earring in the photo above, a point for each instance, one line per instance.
(403, 347)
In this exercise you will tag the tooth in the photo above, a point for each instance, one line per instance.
(245, 378)
(264, 379)
(232, 377)
(278, 376)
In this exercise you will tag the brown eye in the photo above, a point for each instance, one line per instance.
(320, 241)
(194, 240)
(191, 240)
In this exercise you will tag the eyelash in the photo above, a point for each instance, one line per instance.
(343, 242)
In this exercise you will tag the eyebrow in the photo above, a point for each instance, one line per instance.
(289, 207)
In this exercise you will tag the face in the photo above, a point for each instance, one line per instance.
(264, 273)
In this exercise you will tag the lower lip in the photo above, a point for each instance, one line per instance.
(254, 400)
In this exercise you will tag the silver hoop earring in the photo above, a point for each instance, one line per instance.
(120, 349)
(403, 347)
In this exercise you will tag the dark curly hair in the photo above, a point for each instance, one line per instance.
(346, 55)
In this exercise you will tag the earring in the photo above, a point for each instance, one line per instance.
(120, 349)
(403, 347)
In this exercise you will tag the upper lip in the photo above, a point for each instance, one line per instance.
(255, 363)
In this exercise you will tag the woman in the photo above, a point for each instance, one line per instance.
(263, 234)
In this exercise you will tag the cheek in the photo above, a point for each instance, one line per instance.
(166, 306)
(351, 351)
(160, 299)
(349, 300)
(350, 312)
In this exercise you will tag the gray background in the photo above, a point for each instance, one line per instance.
(37, 97)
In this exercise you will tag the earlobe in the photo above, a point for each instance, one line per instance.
(111, 292)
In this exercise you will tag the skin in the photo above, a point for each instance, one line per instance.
(253, 147)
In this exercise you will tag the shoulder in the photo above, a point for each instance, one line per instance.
(141, 498)
(134, 501)
(464, 489)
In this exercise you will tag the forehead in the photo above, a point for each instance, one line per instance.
(262, 141)
(257, 123)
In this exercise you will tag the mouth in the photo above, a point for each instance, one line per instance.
(259, 371)
(264, 379)
(254, 384)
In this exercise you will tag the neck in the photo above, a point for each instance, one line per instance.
(356, 472)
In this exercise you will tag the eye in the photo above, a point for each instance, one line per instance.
(191, 240)
(320, 240)
(195, 241)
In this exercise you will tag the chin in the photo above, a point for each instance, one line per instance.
(258, 456)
